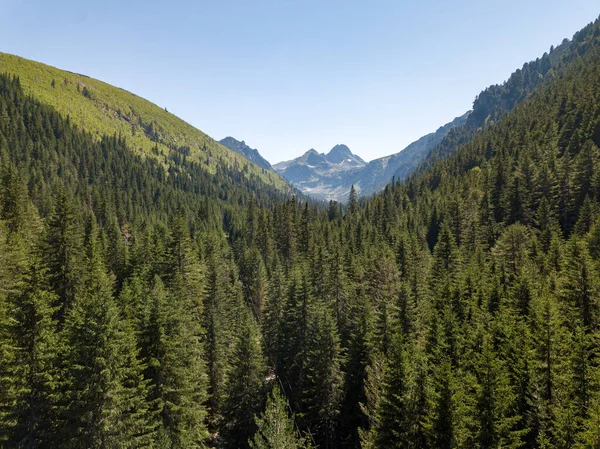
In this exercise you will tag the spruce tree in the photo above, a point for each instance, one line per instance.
(496, 419)
(63, 250)
(175, 371)
(245, 386)
(579, 289)
(390, 422)
(359, 348)
(103, 392)
(273, 316)
(373, 392)
(254, 281)
(321, 377)
(352, 200)
(276, 429)
(33, 365)
(222, 313)
(441, 420)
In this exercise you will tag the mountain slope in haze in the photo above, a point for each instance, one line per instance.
(249, 153)
(331, 176)
(320, 175)
(488, 108)
(379, 172)
(102, 109)
(497, 100)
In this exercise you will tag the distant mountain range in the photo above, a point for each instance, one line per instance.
(320, 175)
(330, 176)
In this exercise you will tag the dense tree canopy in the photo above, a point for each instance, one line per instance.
(146, 306)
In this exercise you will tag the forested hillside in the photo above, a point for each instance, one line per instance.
(148, 130)
(168, 307)
(495, 101)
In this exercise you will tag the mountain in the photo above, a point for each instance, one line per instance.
(146, 301)
(321, 175)
(494, 102)
(341, 156)
(102, 109)
(488, 108)
(249, 153)
(379, 172)
(331, 176)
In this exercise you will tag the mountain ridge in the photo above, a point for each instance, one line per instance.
(103, 109)
(313, 172)
(251, 154)
(381, 171)
(331, 176)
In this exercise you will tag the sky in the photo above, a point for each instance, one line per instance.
(287, 76)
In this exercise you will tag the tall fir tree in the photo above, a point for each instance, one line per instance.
(245, 386)
(103, 391)
(63, 250)
(276, 429)
(175, 371)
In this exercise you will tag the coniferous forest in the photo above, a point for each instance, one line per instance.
(147, 304)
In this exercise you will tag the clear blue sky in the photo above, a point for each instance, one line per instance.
(286, 76)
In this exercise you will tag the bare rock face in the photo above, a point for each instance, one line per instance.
(320, 175)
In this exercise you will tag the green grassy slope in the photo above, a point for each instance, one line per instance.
(100, 108)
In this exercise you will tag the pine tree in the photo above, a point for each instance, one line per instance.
(63, 250)
(275, 427)
(175, 371)
(244, 388)
(104, 395)
(32, 367)
(321, 376)
(390, 422)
